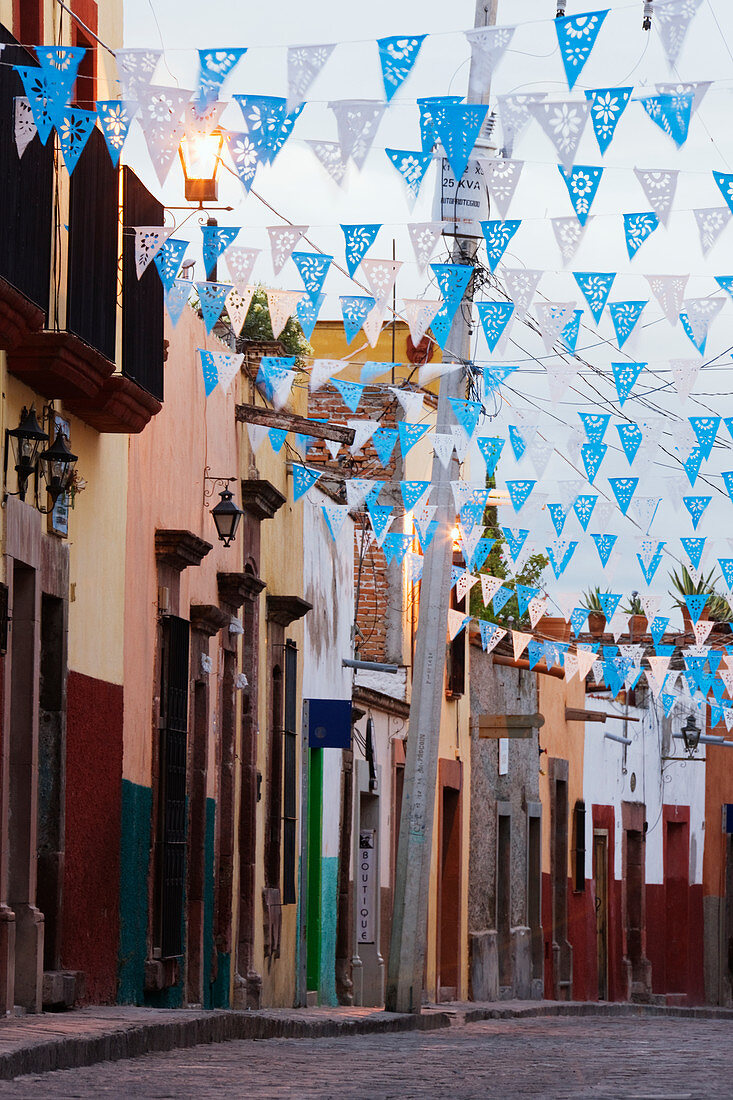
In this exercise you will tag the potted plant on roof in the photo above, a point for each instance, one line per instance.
(596, 619)
(638, 625)
(717, 607)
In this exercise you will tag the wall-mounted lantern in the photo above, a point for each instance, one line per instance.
(200, 156)
(23, 443)
(57, 465)
(227, 514)
(691, 734)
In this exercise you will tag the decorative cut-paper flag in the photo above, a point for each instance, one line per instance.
(304, 478)
(514, 112)
(696, 507)
(307, 311)
(275, 378)
(380, 276)
(304, 65)
(409, 434)
(563, 122)
(625, 316)
(501, 177)
(208, 366)
(115, 118)
(592, 455)
(282, 305)
(283, 239)
(491, 448)
(228, 366)
(519, 492)
(397, 56)
(412, 166)
(488, 46)
(424, 236)
(659, 186)
(696, 605)
(175, 299)
(569, 233)
(355, 309)
(358, 241)
(583, 507)
(452, 282)
(571, 332)
(214, 67)
(521, 283)
(673, 18)
(631, 438)
(419, 314)
(623, 489)
(606, 107)
(669, 291)
(497, 235)
(457, 127)
(582, 182)
(576, 37)
(335, 516)
(149, 239)
(217, 239)
(515, 540)
(47, 94)
(330, 157)
(711, 222)
(595, 425)
(706, 430)
(604, 545)
(351, 392)
(467, 413)
(135, 70)
(491, 635)
(168, 259)
(24, 125)
(595, 287)
(313, 268)
(73, 127)
(357, 122)
(625, 376)
(671, 113)
(637, 228)
(560, 553)
(494, 317)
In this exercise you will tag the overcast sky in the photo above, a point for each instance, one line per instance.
(299, 189)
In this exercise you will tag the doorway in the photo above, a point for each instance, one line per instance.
(600, 878)
(449, 890)
(676, 904)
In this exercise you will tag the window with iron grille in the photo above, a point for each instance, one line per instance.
(142, 299)
(290, 777)
(26, 189)
(456, 658)
(171, 863)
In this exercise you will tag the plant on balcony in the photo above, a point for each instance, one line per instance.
(717, 608)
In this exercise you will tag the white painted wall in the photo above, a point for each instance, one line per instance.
(328, 573)
(608, 768)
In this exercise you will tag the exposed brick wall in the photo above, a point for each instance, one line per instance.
(372, 584)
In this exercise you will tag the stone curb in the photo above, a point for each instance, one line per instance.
(216, 1027)
(592, 1008)
(135, 1039)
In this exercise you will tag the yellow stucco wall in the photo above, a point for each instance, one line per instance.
(561, 739)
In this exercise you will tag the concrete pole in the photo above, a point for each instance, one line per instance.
(412, 877)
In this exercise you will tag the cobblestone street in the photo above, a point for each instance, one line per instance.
(557, 1057)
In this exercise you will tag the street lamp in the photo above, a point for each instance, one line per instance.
(200, 156)
(227, 516)
(57, 465)
(691, 734)
(24, 442)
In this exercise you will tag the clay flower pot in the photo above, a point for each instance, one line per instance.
(596, 623)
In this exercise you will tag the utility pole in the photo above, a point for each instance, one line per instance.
(412, 878)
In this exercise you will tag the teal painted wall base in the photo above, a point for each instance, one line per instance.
(134, 861)
(220, 988)
(329, 914)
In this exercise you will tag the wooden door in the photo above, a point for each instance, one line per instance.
(600, 877)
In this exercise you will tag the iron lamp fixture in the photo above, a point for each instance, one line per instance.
(227, 514)
(691, 734)
(23, 442)
(57, 465)
(200, 156)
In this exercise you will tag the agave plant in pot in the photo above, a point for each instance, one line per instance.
(596, 619)
(638, 625)
(716, 608)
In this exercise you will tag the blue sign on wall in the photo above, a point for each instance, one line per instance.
(329, 723)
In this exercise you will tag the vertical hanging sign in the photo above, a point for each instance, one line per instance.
(366, 886)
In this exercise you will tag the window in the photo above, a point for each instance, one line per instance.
(28, 22)
(578, 849)
(274, 781)
(142, 299)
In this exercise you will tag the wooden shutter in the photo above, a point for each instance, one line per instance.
(172, 817)
(142, 299)
(290, 777)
